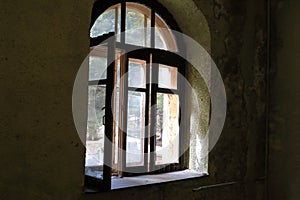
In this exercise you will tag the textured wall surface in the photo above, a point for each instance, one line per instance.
(284, 173)
(42, 46)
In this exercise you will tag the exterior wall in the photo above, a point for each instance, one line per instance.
(42, 46)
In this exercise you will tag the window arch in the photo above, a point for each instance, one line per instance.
(153, 14)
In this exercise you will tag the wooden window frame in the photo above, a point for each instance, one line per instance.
(150, 55)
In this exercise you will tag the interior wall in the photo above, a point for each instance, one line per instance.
(284, 171)
(238, 47)
(42, 46)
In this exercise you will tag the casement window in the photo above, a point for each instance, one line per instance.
(135, 100)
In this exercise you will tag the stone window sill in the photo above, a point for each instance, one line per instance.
(128, 182)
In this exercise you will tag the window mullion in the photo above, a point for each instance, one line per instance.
(147, 119)
(109, 115)
(153, 110)
(145, 30)
(152, 28)
(123, 21)
(123, 110)
(153, 98)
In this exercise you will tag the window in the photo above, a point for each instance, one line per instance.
(135, 96)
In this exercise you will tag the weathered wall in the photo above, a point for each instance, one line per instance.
(238, 36)
(42, 46)
(284, 173)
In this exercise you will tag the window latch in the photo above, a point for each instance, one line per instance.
(103, 118)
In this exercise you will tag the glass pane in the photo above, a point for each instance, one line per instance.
(159, 40)
(167, 129)
(135, 129)
(167, 77)
(137, 73)
(164, 38)
(118, 32)
(105, 23)
(95, 132)
(97, 63)
(97, 70)
(137, 25)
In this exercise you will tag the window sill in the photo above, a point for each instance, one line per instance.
(151, 179)
(128, 182)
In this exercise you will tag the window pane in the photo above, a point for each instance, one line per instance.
(137, 73)
(137, 25)
(167, 129)
(95, 132)
(135, 129)
(118, 32)
(159, 40)
(97, 63)
(167, 77)
(98, 67)
(104, 24)
(164, 39)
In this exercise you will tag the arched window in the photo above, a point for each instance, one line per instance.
(134, 93)
(137, 26)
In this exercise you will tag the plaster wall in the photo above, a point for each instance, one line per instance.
(284, 170)
(42, 45)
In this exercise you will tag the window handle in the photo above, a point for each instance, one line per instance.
(103, 118)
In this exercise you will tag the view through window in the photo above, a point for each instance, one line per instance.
(137, 100)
